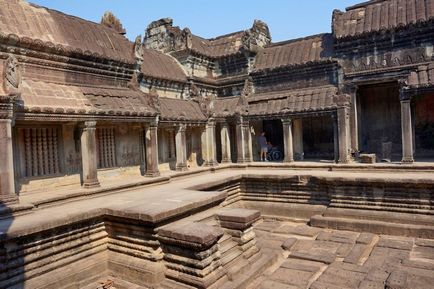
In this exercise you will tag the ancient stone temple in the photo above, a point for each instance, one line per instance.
(136, 164)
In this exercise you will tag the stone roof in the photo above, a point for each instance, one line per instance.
(177, 109)
(44, 97)
(159, 65)
(226, 106)
(295, 52)
(39, 26)
(293, 101)
(226, 45)
(381, 15)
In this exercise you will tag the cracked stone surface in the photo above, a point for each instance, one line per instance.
(328, 259)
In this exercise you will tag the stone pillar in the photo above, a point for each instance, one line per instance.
(354, 122)
(181, 148)
(88, 155)
(297, 129)
(244, 142)
(335, 138)
(209, 152)
(343, 125)
(7, 182)
(406, 127)
(287, 140)
(226, 143)
(151, 139)
(249, 149)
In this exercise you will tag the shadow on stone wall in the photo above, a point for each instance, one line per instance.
(11, 253)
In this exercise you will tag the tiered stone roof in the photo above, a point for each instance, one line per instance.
(162, 66)
(305, 70)
(32, 25)
(381, 15)
(295, 52)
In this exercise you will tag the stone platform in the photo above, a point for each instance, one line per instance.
(130, 238)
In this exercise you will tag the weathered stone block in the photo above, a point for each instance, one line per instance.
(236, 218)
(368, 158)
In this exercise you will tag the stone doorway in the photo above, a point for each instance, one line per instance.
(318, 138)
(274, 133)
(423, 126)
(380, 120)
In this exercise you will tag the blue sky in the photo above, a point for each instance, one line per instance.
(287, 19)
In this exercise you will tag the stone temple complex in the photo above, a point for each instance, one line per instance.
(137, 164)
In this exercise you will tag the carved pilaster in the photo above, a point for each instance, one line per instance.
(297, 129)
(405, 96)
(244, 141)
(151, 139)
(343, 127)
(209, 152)
(225, 142)
(287, 140)
(7, 183)
(88, 154)
(181, 148)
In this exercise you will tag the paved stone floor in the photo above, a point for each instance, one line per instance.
(326, 259)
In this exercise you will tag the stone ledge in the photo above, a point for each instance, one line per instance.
(239, 215)
(196, 233)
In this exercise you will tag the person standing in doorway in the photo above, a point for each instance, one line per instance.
(263, 145)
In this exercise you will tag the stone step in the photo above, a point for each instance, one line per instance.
(373, 226)
(242, 280)
(379, 215)
(230, 255)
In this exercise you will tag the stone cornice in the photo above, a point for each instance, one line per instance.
(57, 49)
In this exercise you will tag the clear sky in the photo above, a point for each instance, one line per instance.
(287, 19)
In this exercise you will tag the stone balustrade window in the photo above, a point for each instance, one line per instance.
(41, 151)
(106, 147)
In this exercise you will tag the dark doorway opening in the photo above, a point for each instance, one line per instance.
(318, 138)
(423, 123)
(380, 120)
(274, 133)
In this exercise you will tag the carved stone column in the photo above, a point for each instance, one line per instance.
(209, 152)
(181, 148)
(151, 139)
(7, 183)
(351, 90)
(406, 127)
(335, 138)
(297, 127)
(244, 141)
(88, 155)
(226, 143)
(343, 125)
(249, 149)
(287, 140)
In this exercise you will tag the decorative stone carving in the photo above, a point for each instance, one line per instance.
(182, 41)
(154, 99)
(12, 75)
(138, 47)
(112, 21)
(248, 88)
(256, 37)
(243, 104)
